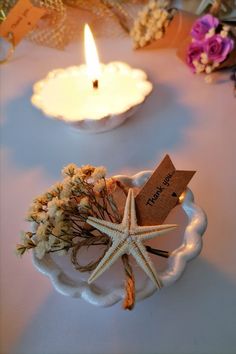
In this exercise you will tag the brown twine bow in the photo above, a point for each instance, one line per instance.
(103, 240)
(91, 241)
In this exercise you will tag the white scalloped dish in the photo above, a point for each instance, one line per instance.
(184, 244)
(68, 95)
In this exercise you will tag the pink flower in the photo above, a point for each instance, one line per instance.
(217, 48)
(195, 50)
(203, 25)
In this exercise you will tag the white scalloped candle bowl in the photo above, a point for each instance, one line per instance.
(110, 289)
(68, 95)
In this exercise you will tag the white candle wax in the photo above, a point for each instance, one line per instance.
(69, 93)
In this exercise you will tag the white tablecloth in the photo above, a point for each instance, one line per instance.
(192, 121)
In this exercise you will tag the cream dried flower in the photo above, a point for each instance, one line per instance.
(26, 238)
(52, 240)
(151, 23)
(224, 34)
(204, 58)
(41, 199)
(36, 216)
(200, 68)
(67, 187)
(57, 220)
(208, 69)
(20, 249)
(55, 207)
(59, 228)
(210, 33)
(36, 207)
(79, 176)
(87, 169)
(226, 28)
(69, 170)
(41, 248)
(42, 230)
(84, 203)
(99, 186)
(98, 173)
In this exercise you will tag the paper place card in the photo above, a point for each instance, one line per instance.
(161, 193)
(21, 19)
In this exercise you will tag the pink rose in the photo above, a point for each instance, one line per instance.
(217, 48)
(203, 25)
(195, 50)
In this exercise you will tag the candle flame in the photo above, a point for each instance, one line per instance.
(91, 55)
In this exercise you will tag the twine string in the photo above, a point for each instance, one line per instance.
(102, 240)
(129, 300)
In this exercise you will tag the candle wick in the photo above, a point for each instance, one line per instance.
(95, 84)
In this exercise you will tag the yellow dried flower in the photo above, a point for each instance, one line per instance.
(52, 240)
(56, 207)
(56, 216)
(99, 186)
(41, 199)
(41, 248)
(59, 228)
(69, 170)
(20, 249)
(67, 187)
(204, 58)
(87, 169)
(210, 33)
(208, 69)
(151, 23)
(84, 203)
(79, 176)
(98, 173)
(42, 230)
(224, 34)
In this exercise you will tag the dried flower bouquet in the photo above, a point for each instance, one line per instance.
(59, 220)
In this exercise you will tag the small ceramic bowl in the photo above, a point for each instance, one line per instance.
(66, 95)
(184, 247)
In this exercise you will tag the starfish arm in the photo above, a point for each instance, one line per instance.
(108, 228)
(149, 232)
(140, 254)
(129, 218)
(115, 251)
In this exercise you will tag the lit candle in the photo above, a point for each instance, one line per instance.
(94, 97)
(91, 56)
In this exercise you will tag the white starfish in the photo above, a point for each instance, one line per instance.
(127, 238)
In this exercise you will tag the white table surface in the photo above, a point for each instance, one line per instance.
(192, 121)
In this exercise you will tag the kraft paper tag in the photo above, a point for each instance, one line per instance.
(20, 20)
(161, 193)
